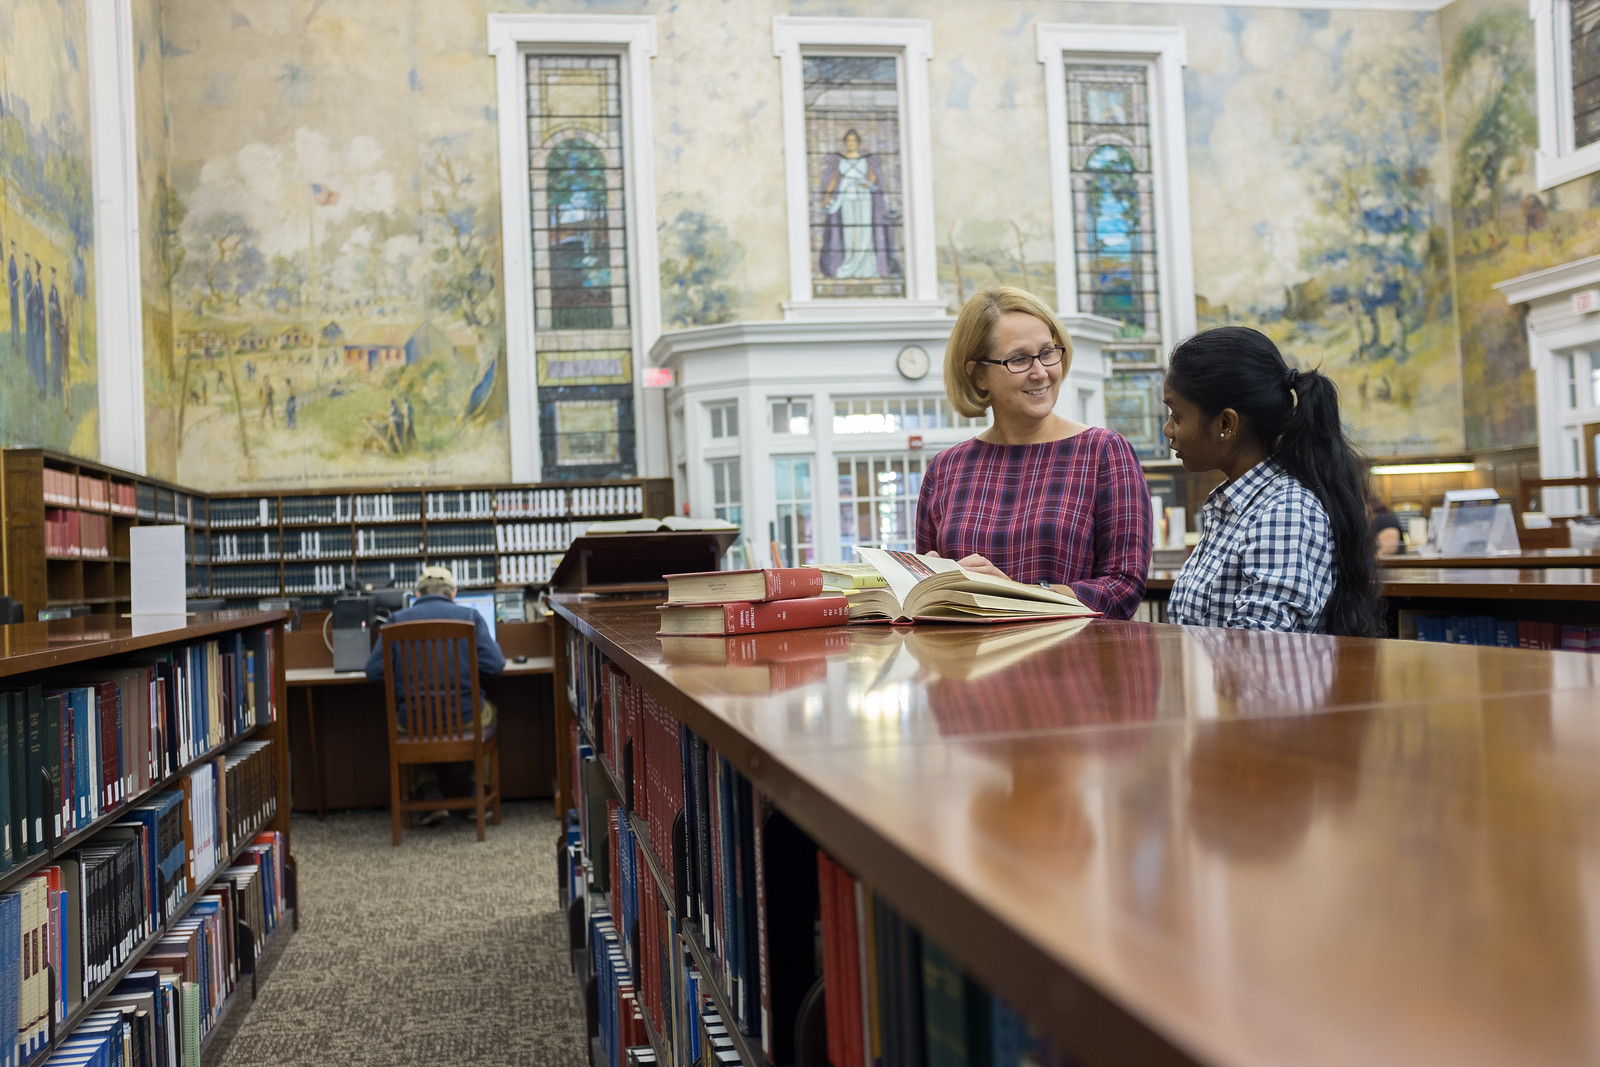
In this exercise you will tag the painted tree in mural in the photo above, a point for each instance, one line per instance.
(226, 261)
(166, 223)
(695, 275)
(461, 282)
(1491, 81)
(1373, 244)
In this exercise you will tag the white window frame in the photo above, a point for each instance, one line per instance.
(633, 39)
(1164, 51)
(789, 402)
(119, 302)
(795, 501)
(712, 409)
(1557, 160)
(911, 42)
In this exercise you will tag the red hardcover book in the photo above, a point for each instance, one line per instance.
(832, 976)
(844, 888)
(110, 766)
(750, 618)
(765, 583)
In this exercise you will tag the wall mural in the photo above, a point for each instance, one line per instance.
(50, 396)
(1504, 225)
(333, 249)
(1333, 239)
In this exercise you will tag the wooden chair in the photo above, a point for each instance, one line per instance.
(427, 659)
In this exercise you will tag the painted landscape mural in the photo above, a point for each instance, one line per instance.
(1319, 180)
(1504, 225)
(49, 389)
(332, 239)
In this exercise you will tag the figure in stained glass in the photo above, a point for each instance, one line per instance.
(856, 237)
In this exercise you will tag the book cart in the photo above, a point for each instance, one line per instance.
(232, 709)
(1149, 844)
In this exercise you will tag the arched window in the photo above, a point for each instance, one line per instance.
(580, 254)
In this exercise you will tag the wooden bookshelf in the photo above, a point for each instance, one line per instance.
(34, 491)
(30, 653)
(488, 534)
(1174, 845)
(34, 572)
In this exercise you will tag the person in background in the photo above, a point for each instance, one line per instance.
(436, 594)
(1388, 536)
(1285, 543)
(1036, 497)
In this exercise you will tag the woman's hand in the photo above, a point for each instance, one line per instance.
(979, 565)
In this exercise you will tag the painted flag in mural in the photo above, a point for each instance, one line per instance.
(323, 195)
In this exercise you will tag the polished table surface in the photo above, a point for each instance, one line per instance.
(1467, 583)
(1531, 557)
(1174, 844)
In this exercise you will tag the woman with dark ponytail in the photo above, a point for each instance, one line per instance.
(1285, 543)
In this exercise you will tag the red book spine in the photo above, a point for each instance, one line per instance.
(753, 618)
(832, 978)
(786, 583)
(110, 770)
(844, 887)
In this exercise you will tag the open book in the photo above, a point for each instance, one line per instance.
(671, 522)
(931, 589)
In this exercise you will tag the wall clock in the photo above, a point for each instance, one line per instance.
(913, 362)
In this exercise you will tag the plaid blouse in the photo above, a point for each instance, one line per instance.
(1075, 512)
(1265, 560)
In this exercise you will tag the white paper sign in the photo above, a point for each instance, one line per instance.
(159, 583)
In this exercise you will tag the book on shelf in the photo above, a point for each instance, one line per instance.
(701, 868)
(647, 525)
(932, 589)
(755, 585)
(750, 618)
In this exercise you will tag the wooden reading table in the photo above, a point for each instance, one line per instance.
(1173, 845)
(521, 691)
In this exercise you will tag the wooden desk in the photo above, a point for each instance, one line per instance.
(359, 732)
(1533, 557)
(1174, 845)
(1573, 584)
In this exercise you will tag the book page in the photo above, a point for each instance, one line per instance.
(903, 570)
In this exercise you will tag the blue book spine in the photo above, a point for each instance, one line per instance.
(10, 974)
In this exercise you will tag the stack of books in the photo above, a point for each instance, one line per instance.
(749, 602)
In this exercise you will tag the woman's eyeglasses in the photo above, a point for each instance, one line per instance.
(1047, 357)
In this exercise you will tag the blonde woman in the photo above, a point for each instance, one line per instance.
(1036, 497)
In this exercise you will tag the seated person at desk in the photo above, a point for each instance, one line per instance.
(1035, 497)
(1285, 544)
(1388, 538)
(436, 594)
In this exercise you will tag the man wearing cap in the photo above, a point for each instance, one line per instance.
(436, 594)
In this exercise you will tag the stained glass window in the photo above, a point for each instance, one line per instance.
(582, 322)
(580, 243)
(855, 188)
(1585, 72)
(1113, 196)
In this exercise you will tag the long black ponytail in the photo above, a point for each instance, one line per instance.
(1295, 416)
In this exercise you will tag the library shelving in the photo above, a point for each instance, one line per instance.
(1145, 843)
(64, 533)
(64, 526)
(308, 544)
(147, 791)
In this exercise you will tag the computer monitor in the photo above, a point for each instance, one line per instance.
(482, 603)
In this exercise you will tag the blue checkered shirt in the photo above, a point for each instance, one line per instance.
(1265, 560)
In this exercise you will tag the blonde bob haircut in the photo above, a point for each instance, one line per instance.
(973, 337)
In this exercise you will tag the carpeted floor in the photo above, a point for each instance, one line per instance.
(441, 951)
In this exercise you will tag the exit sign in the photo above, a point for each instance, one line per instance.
(1585, 302)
